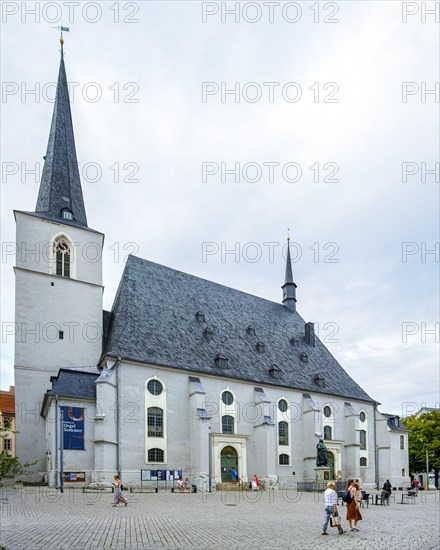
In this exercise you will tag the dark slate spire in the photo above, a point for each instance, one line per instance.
(289, 287)
(60, 186)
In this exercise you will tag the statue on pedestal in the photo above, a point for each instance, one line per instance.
(321, 454)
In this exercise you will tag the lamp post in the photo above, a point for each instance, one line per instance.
(377, 467)
(209, 460)
(61, 450)
(427, 471)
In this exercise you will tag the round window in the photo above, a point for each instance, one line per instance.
(282, 405)
(154, 387)
(327, 411)
(227, 398)
(362, 416)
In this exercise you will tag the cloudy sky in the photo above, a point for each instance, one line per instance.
(323, 110)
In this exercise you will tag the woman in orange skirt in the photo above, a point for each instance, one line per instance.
(353, 514)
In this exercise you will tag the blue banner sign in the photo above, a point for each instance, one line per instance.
(73, 428)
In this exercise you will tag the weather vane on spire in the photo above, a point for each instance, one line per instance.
(288, 233)
(65, 29)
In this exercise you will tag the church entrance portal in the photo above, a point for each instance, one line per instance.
(229, 459)
(331, 464)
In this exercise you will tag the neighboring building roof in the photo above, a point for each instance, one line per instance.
(394, 423)
(7, 401)
(161, 316)
(60, 185)
(424, 410)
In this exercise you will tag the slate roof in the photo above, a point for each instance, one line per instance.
(155, 321)
(60, 185)
(74, 383)
(394, 423)
(57, 218)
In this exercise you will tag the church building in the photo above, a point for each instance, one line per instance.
(182, 374)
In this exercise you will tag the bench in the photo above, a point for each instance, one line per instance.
(366, 497)
(383, 500)
(409, 498)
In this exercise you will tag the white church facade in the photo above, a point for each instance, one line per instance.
(183, 374)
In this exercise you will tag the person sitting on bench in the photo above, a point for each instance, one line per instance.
(386, 492)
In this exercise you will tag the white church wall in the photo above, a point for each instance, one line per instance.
(72, 460)
(33, 240)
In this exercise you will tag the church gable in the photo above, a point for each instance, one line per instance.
(166, 317)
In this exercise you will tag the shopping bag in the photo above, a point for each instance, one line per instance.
(335, 520)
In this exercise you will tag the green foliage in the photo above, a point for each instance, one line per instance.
(8, 463)
(424, 436)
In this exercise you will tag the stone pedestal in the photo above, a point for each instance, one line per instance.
(322, 474)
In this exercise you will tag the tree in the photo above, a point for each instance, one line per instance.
(9, 463)
(424, 436)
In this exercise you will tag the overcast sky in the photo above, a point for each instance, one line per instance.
(155, 126)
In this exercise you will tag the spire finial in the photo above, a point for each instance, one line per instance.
(289, 287)
(61, 29)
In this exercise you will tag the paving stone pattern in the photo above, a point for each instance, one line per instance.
(35, 518)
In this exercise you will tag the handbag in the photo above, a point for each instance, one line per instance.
(335, 520)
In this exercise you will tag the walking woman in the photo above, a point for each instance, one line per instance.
(353, 513)
(119, 496)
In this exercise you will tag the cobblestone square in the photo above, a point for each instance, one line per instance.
(37, 518)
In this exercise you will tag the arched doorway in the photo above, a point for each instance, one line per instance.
(331, 464)
(228, 460)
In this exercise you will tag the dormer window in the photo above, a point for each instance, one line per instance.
(304, 357)
(319, 380)
(294, 341)
(62, 257)
(208, 333)
(251, 330)
(275, 372)
(261, 347)
(221, 361)
(66, 214)
(200, 316)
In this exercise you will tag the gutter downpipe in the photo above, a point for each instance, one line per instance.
(118, 454)
(376, 451)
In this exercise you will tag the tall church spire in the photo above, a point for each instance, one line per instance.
(289, 287)
(60, 188)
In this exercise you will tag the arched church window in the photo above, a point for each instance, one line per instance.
(227, 424)
(283, 433)
(402, 443)
(327, 432)
(363, 440)
(327, 411)
(155, 422)
(283, 460)
(363, 461)
(155, 455)
(62, 257)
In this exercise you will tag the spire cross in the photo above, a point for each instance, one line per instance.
(288, 234)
